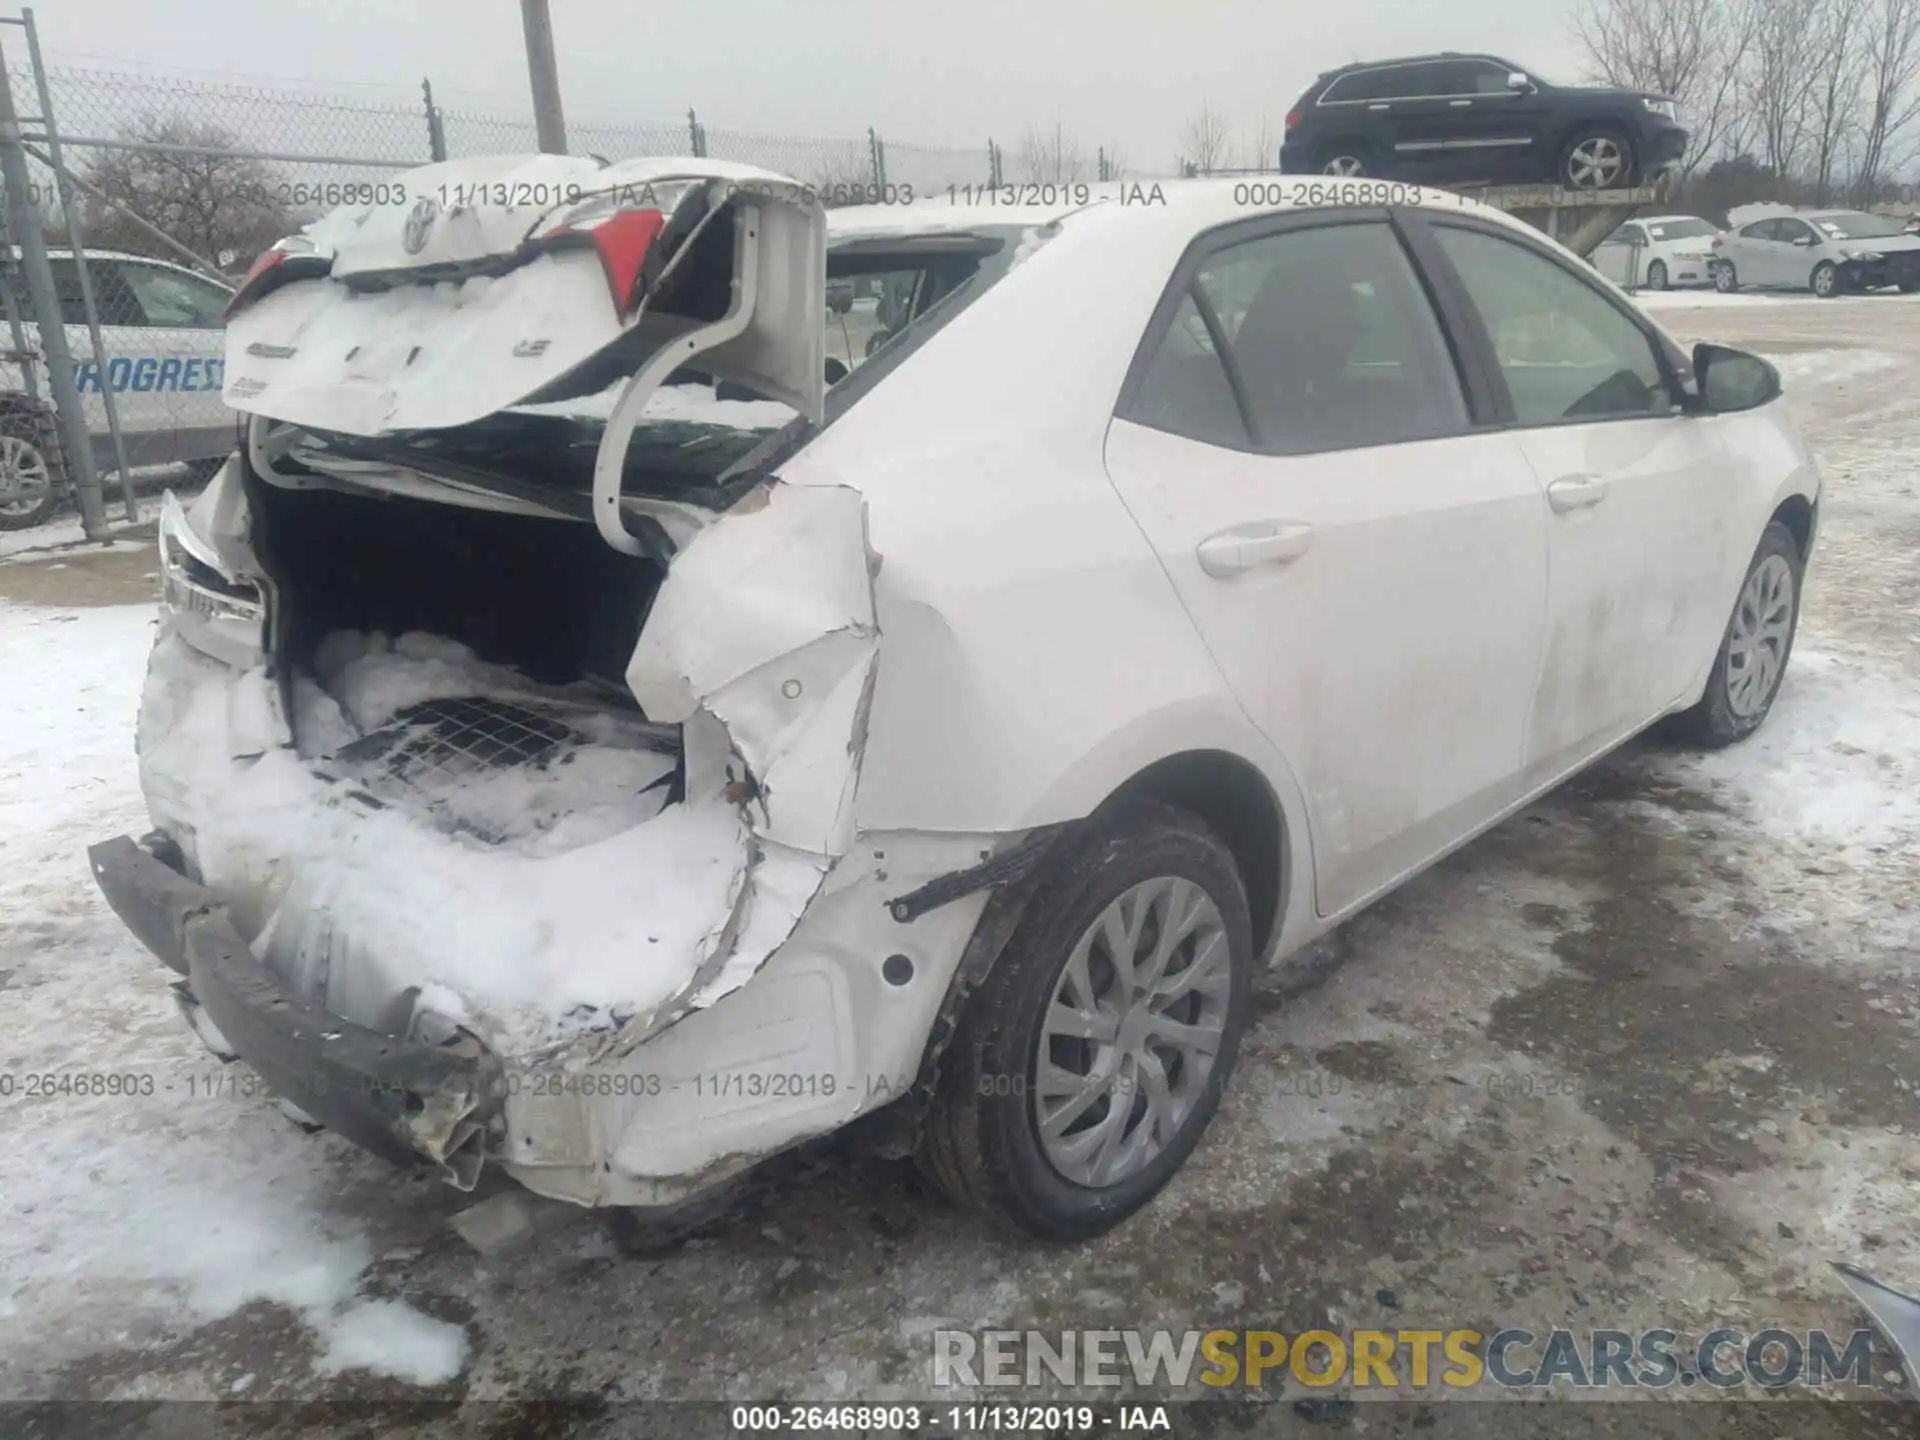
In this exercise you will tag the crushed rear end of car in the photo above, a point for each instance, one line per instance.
(508, 708)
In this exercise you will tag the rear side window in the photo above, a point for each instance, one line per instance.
(1369, 85)
(170, 300)
(1565, 350)
(1329, 336)
(1761, 230)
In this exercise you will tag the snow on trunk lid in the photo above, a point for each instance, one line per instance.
(507, 280)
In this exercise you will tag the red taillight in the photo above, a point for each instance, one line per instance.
(270, 259)
(1293, 119)
(622, 241)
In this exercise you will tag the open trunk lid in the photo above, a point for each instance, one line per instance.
(529, 279)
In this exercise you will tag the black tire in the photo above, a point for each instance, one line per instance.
(981, 1143)
(1725, 278)
(1713, 723)
(1348, 152)
(1828, 273)
(29, 440)
(1910, 287)
(1572, 170)
(1657, 275)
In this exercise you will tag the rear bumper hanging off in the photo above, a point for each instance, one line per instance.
(404, 1100)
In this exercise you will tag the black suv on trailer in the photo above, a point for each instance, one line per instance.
(1452, 119)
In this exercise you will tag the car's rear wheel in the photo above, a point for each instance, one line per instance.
(29, 483)
(1597, 158)
(1753, 654)
(1825, 280)
(1348, 159)
(1657, 275)
(1092, 1058)
(1725, 279)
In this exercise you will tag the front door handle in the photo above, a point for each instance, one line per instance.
(1576, 492)
(1261, 542)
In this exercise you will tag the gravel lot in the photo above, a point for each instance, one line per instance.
(1646, 1055)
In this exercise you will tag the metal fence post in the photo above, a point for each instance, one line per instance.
(25, 224)
(544, 74)
(436, 128)
(877, 155)
(88, 307)
(993, 166)
(696, 133)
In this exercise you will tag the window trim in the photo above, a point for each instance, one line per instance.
(1476, 395)
(1495, 60)
(1422, 237)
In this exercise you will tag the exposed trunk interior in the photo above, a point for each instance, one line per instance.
(546, 597)
(556, 751)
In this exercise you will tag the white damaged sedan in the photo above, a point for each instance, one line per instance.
(584, 742)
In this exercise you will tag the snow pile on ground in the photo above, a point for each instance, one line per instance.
(175, 1201)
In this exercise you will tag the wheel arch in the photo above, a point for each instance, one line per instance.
(1235, 800)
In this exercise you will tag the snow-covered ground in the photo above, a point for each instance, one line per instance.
(1705, 964)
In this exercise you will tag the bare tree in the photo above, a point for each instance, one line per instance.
(1206, 139)
(1261, 145)
(1693, 50)
(1113, 161)
(208, 202)
(1052, 158)
(1833, 95)
(1892, 97)
(1782, 78)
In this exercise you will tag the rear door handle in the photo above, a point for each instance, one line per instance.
(1382, 105)
(1576, 492)
(1260, 542)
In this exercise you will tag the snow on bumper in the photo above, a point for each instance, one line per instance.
(587, 983)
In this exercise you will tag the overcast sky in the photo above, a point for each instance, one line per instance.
(1124, 72)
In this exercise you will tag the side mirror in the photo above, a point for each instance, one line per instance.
(1729, 380)
(1518, 80)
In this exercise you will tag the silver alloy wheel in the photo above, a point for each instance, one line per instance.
(1596, 163)
(1757, 641)
(1657, 275)
(1723, 278)
(1131, 1031)
(1347, 165)
(1824, 276)
(24, 481)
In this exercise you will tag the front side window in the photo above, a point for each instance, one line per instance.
(170, 300)
(1329, 335)
(1471, 77)
(1565, 350)
(1859, 227)
(1761, 230)
(1791, 230)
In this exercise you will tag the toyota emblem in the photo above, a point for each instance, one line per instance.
(419, 225)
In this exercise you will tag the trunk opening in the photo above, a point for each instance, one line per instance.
(547, 598)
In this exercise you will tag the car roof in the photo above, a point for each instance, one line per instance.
(1352, 66)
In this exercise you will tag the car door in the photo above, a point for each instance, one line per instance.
(1363, 105)
(1763, 254)
(1640, 494)
(1495, 130)
(180, 366)
(1618, 257)
(1796, 252)
(1366, 564)
(1429, 123)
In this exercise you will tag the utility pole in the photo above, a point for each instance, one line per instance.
(24, 221)
(548, 121)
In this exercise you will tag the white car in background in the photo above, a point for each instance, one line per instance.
(166, 363)
(620, 794)
(1829, 252)
(1658, 252)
